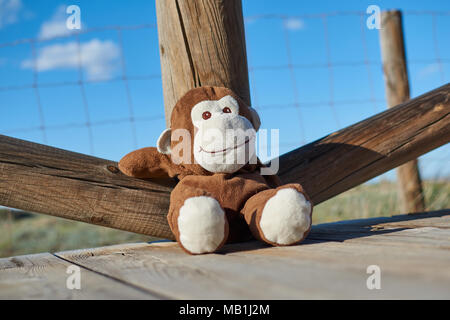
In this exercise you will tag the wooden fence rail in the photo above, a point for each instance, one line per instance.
(360, 152)
(48, 180)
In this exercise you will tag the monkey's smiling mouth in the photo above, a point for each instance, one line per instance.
(225, 150)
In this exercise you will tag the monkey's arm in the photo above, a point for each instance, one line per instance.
(147, 163)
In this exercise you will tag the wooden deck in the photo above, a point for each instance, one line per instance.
(412, 251)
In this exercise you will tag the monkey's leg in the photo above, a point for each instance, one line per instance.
(280, 216)
(197, 220)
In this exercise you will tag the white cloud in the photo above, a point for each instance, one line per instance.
(294, 24)
(9, 11)
(56, 26)
(250, 20)
(428, 71)
(98, 58)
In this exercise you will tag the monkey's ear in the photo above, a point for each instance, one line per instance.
(255, 118)
(163, 144)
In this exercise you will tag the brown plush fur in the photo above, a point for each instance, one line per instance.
(242, 194)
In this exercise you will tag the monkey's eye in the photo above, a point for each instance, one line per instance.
(206, 115)
(226, 110)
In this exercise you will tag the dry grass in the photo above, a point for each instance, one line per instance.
(377, 200)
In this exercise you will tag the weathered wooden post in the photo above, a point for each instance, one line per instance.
(201, 42)
(397, 91)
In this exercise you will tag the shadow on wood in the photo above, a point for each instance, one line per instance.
(351, 229)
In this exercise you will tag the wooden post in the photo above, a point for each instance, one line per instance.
(201, 42)
(411, 197)
(43, 179)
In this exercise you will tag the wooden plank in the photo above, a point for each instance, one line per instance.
(437, 219)
(424, 238)
(397, 91)
(202, 43)
(425, 230)
(43, 179)
(43, 276)
(316, 269)
(164, 268)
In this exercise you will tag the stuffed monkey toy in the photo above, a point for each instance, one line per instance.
(221, 196)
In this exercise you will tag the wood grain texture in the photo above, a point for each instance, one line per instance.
(412, 255)
(43, 276)
(353, 155)
(202, 43)
(412, 252)
(397, 91)
(38, 178)
(47, 180)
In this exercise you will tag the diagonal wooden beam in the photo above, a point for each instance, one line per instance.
(70, 185)
(360, 152)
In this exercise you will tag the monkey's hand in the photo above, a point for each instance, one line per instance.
(147, 163)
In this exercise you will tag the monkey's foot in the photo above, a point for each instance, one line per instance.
(202, 225)
(286, 218)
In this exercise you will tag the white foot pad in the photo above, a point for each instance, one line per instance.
(286, 217)
(201, 224)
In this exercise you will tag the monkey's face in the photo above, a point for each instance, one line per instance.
(224, 140)
(211, 130)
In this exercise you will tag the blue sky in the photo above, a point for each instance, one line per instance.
(305, 102)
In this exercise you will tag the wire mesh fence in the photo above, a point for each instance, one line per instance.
(67, 93)
(306, 91)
